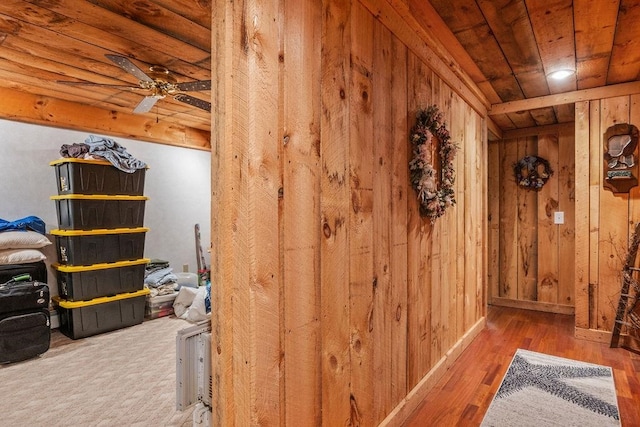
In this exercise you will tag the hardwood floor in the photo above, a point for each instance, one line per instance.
(463, 395)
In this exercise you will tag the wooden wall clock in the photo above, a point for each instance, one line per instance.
(620, 158)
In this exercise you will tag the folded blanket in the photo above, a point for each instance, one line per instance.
(160, 277)
(27, 223)
(113, 152)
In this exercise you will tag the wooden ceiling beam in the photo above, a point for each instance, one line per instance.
(494, 130)
(524, 105)
(539, 130)
(42, 110)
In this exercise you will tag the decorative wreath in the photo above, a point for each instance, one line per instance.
(532, 172)
(434, 197)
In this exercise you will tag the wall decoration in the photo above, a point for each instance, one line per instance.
(620, 158)
(431, 169)
(532, 172)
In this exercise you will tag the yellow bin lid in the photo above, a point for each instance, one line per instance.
(77, 160)
(98, 231)
(102, 266)
(78, 304)
(96, 197)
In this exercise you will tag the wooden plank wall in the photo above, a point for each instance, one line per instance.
(528, 252)
(335, 302)
(606, 220)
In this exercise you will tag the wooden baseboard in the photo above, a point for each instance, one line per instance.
(533, 305)
(593, 335)
(415, 397)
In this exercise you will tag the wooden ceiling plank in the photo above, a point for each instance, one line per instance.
(460, 15)
(22, 51)
(565, 112)
(92, 48)
(595, 23)
(544, 116)
(610, 91)
(592, 72)
(26, 78)
(507, 87)
(114, 102)
(78, 49)
(481, 44)
(522, 119)
(86, 21)
(24, 60)
(152, 15)
(26, 107)
(503, 121)
(509, 22)
(552, 23)
(625, 54)
(483, 47)
(533, 83)
(198, 11)
(465, 20)
(40, 43)
(428, 18)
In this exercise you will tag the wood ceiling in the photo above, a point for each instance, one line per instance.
(44, 41)
(515, 44)
(507, 47)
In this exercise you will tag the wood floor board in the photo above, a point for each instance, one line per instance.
(464, 393)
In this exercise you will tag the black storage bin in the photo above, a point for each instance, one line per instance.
(37, 270)
(87, 247)
(81, 319)
(82, 176)
(90, 212)
(76, 283)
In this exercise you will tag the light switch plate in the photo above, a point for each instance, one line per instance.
(558, 217)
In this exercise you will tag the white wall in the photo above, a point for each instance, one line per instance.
(178, 184)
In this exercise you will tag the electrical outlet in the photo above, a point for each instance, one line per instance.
(558, 217)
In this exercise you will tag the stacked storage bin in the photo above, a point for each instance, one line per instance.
(100, 246)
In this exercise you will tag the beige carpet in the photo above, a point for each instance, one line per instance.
(120, 378)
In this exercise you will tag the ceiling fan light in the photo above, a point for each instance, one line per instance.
(560, 74)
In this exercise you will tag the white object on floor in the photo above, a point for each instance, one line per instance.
(189, 304)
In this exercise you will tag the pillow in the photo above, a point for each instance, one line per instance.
(22, 240)
(19, 256)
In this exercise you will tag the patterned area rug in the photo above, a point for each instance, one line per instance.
(542, 390)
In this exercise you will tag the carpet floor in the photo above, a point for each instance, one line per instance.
(120, 378)
(543, 390)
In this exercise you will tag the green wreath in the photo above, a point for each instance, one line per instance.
(433, 199)
(532, 172)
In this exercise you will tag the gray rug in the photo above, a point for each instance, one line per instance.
(542, 390)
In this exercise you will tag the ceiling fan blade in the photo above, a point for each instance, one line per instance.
(129, 67)
(123, 87)
(192, 86)
(188, 99)
(145, 105)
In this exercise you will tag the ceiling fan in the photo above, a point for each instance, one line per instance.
(158, 82)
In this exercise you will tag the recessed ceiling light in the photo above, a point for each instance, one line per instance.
(560, 74)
